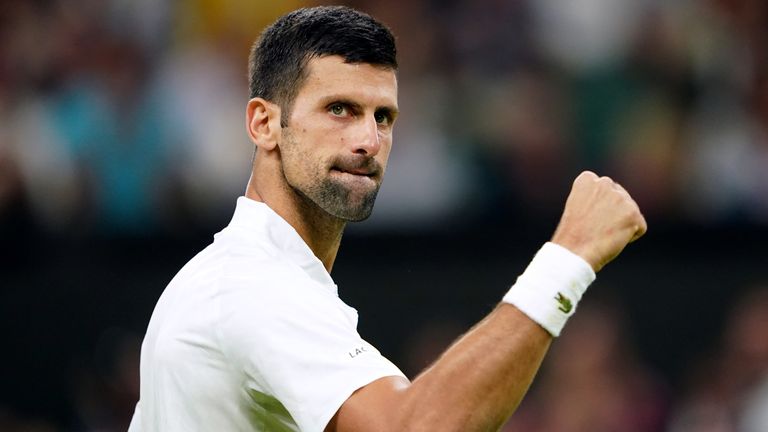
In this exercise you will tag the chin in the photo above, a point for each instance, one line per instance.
(346, 203)
(355, 214)
(359, 217)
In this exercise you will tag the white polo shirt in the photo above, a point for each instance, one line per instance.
(251, 336)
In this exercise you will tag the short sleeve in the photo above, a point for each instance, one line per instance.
(297, 341)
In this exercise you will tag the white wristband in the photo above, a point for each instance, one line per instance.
(551, 287)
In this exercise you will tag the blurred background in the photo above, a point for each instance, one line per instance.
(123, 148)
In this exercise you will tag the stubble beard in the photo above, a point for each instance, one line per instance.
(340, 201)
(329, 194)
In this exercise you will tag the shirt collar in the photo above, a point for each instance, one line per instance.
(258, 217)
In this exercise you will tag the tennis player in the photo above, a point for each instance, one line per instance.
(251, 335)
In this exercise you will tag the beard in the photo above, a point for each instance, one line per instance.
(339, 200)
(348, 199)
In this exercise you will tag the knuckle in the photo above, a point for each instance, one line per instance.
(606, 183)
(585, 176)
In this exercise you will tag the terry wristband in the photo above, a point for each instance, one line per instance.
(551, 287)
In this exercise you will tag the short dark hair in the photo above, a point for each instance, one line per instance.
(279, 57)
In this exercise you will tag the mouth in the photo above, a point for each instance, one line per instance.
(356, 176)
(363, 172)
(359, 168)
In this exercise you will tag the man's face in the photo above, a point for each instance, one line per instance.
(335, 148)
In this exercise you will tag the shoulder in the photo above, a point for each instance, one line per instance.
(265, 310)
(266, 289)
(257, 282)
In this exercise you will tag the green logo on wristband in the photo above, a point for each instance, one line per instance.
(565, 303)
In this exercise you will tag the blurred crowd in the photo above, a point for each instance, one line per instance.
(126, 118)
(594, 380)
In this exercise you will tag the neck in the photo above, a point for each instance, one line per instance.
(319, 230)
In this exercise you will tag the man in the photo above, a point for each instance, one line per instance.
(251, 334)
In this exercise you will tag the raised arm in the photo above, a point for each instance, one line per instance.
(480, 380)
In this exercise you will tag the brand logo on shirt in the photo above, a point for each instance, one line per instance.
(357, 351)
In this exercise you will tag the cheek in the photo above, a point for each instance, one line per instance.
(293, 158)
(304, 160)
(386, 147)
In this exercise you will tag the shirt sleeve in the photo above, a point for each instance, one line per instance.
(296, 340)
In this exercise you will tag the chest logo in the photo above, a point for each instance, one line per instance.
(357, 351)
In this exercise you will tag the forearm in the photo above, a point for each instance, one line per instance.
(478, 382)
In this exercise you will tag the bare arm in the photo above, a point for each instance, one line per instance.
(479, 381)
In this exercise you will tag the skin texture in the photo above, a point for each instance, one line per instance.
(600, 218)
(324, 169)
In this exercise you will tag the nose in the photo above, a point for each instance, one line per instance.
(368, 141)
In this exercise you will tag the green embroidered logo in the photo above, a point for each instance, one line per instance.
(565, 303)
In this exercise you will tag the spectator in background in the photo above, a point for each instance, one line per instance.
(37, 172)
(115, 125)
(91, 139)
(106, 383)
(202, 82)
(755, 414)
(727, 154)
(430, 180)
(726, 392)
(593, 381)
(666, 96)
(123, 117)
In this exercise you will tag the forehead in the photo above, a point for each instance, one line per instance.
(365, 83)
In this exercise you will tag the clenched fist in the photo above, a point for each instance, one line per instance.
(599, 220)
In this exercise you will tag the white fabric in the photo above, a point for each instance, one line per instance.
(251, 336)
(551, 287)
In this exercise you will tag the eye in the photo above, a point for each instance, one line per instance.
(382, 118)
(338, 109)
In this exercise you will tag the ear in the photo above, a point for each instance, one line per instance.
(262, 121)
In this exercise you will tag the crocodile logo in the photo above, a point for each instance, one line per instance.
(565, 303)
